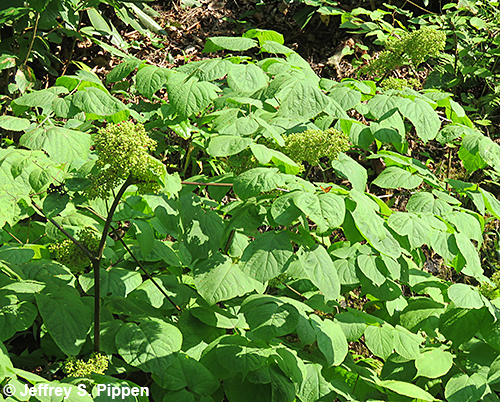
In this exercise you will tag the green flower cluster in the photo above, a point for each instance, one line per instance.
(122, 152)
(398, 83)
(412, 48)
(97, 363)
(312, 145)
(491, 291)
(70, 255)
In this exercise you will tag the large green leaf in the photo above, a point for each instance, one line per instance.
(186, 372)
(373, 229)
(423, 117)
(254, 181)
(188, 95)
(331, 340)
(99, 104)
(62, 144)
(149, 345)
(316, 265)
(15, 315)
(314, 387)
(218, 278)
(302, 101)
(236, 44)
(150, 79)
(395, 177)
(327, 210)
(407, 389)
(352, 170)
(269, 317)
(412, 225)
(267, 256)
(227, 145)
(380, 340)
(465, 296)
(246, 78)
(66, 317)
(434, 363)
(462, 388)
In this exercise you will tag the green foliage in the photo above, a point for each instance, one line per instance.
(260, 285)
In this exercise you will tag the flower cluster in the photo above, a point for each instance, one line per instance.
(312, 145)
(97, 363)
(70, 255)
(412, 48)
(491, 291)
(398, 83)
(123, 152)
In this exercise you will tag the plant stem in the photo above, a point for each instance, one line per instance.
(198, 183)
(96, 264)
(32, 39)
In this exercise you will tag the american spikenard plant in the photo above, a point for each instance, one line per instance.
(122, 153)
(412, 49)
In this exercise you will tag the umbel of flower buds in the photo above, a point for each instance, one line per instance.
(311, 145)
(123, 151)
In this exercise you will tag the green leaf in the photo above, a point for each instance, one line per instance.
(465, 296)
(149, 345)
(462, 388)
(314, 386)
(331, 340)
(145, 236)
(254, 181)
(150, 79)
(460, 325)
(267, 256)
(434, 363)
(227, 145)
(114, 282)
(234, 44)
(186, 372)
(472, 262)
(207, 70)
(407, 389)
(246, 78)
(263, 35)
(395, 177)
(269, 317)
(373, 229)
(412, 225)
(367, 264)
(426, 203)
(66, 317)
(188, 95)
(352, 170)
(423, 117)
(62, 144)
(218, 279)
(15, 315)
(317, 266)
(302, 101)
(122, 71)
(406, 343)
(380, 340)
(99, 104)
(14, 123)
(347, 98)
(327, 210)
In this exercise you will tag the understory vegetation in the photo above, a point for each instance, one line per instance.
(241, 226)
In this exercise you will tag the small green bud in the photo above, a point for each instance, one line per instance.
(97, 363)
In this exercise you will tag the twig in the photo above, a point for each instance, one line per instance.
(295, 291)
(229, 240)
(14, 237)
(198, 183)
